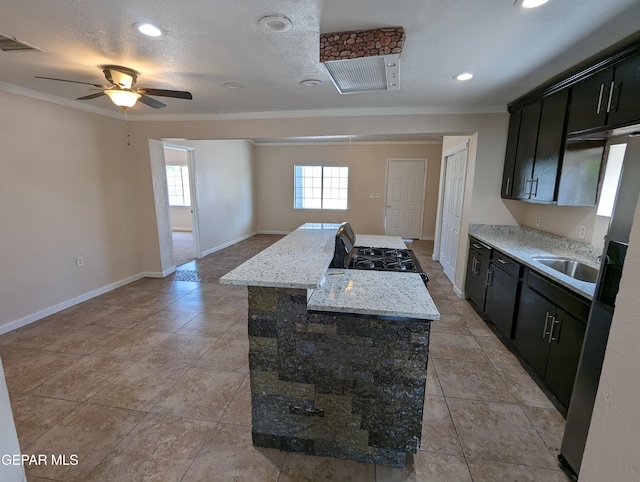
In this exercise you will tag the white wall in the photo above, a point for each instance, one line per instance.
(612, 451)
(67, 189)
(367, 174)
(9, 444)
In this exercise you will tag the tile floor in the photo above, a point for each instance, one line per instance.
(150, 382)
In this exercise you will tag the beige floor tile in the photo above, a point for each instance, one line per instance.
(490, 471)
(226, 355)
(450, 324)
(179, 350)
(522, 387)
(230, 306)
(83, 379)
(477, 326)
(239, 409)
(35, 416)
(161, 447)
(445, 306)
(549, 424)
(80, 340)
(87, 313)
(498, 432)
(208, 324)
(496, 351)
(239, 330)
(438, 433)
(125, 318)
(473, 380)
(140, 387)
(433, 386)
(131, 344)
(427, 467)
(229, 454)
(26, 369)
(167, 321)
(89, 432)
(303, 468)
(463, 307)
(200, 394)
(455, 347)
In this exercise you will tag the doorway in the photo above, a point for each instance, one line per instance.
(405, 197)
(181, 195)
(455, 171)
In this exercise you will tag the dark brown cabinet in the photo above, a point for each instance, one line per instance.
(477, 272)
(607, 99)
(534, 150)
(503, 290)
(549, 332)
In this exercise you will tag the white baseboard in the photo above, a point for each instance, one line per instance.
(159, 274)
(182, 230)
(458, 292)
(427, 238)
(13, 325)
(226, 245)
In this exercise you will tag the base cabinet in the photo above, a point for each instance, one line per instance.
(503, 291)
(549, 332)
(477, 272)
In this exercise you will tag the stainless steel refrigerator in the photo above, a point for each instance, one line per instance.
(602, 309)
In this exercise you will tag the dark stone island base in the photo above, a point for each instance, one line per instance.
(339, 385)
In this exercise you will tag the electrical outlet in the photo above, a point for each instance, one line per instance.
(538, 221)
(374, 195)
(583, 231)
(79, 262)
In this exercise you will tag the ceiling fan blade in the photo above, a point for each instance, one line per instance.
(73, 81)
(156, 104)
(178, 94)
(91, 96)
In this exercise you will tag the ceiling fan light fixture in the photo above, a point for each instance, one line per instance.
(464, 76)
(529, 3)
(148, 29)
(123, 98)
(234, 85)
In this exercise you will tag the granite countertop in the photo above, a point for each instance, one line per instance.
(373, 241)
(374, 293)
(523, 243)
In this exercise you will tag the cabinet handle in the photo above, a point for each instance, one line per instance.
(502, 261)
(610, 96)
(534, 194)
(546, 323)
(489, 280)
(527, 190)
(600, 98)
(474, 265)
(508, 188)
(477, 246)
(553, 325)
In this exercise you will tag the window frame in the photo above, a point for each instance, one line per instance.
(299, 200)
(185, 186)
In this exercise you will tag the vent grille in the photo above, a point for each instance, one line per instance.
(365, 74)
(11, 44)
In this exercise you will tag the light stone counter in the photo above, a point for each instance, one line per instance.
(373, 241)
(523, 243)
(374, 293)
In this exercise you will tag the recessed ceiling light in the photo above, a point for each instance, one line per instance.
(234, 85)
(147, 29)
(464, 76)
(275, 23)
(311, 82)
(530, 3)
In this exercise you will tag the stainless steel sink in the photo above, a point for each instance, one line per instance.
(570, 267)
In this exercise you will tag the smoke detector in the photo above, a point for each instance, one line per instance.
(363, 60)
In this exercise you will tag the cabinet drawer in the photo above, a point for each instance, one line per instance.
(480, 247)
(563, 298)
(506, 263)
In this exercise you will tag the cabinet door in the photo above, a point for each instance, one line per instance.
(625, 108)
(476, 283)
(589, 99)
(549, 148)
(564, 354)
(532, 328)
(525, 153)
(501, 299)
(510, 155)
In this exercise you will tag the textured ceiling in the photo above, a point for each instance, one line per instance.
(211, 42)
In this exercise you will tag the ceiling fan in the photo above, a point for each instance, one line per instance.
(122, 92)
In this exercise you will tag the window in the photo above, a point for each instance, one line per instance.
(612, 172)
(178, 186)
(321, 187)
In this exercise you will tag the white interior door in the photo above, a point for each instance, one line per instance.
(456, 166)
(405, 197)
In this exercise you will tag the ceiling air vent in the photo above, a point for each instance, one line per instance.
(11, 44)
(363, 60)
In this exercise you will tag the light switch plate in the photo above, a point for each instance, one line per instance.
(538, 221)
(583, 231)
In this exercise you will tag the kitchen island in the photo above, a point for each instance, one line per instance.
(337, 357)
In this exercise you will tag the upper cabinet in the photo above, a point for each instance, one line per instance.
(607, 99)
